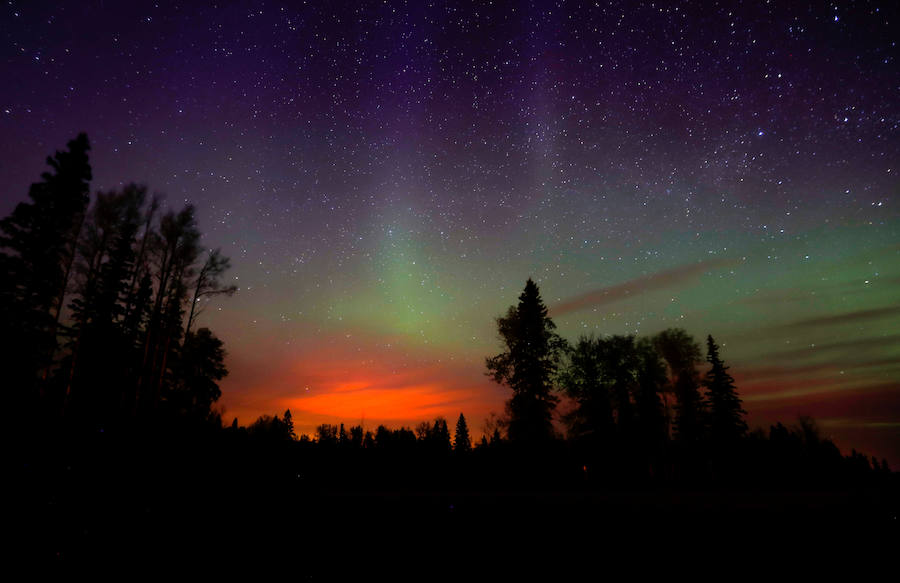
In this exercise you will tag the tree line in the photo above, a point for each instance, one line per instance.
(99, 304)
(637, 409)
(433, 437)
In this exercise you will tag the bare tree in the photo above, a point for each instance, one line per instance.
(208, 284)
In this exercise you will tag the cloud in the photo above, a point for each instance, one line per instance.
(607, 295)
(877, 402)
(847, 351)
(847, 318)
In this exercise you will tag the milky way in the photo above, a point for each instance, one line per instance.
(386, 175)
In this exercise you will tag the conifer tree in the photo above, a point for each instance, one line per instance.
(461, 440)
(440, 435)
(528, 366)
(37, 247)
(289, 424)
(726, 417)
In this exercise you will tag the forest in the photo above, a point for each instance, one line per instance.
(112, 390)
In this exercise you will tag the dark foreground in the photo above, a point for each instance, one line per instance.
(214, 507)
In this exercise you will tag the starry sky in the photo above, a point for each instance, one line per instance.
(386, 175)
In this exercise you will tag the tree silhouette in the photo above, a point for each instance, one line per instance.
(682, 353)
(461, 441)
(618, 366)
(440, 435)
(196, 370)
(95, 370)
(423, 431)
(726, 417)
(288, 421)
(327, 434)
(592, 419)
(267, 428)
(127, 276)
(356, 436)
(528, 366)
(651, 382)
(208, 284)
(175, 248)
(38, 243)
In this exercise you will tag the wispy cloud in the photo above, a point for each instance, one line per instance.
(857, 350)
(847, 318)
(655, 281)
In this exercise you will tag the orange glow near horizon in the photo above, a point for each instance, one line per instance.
(337, 381)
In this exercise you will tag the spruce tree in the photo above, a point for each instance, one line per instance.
(726, 417)
(289, 423)
(440, 435)
(37, 247)
(461, 441)
(528, 366)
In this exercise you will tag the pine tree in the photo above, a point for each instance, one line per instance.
(289, 424)
(440, 435)
(38, 246)
(461, 441)
(726, 417)
(528, 366)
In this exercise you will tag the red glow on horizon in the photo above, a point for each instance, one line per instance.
(338, 381)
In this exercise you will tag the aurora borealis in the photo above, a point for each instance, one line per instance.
(386, 175)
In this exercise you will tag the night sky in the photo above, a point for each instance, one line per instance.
(386, 175)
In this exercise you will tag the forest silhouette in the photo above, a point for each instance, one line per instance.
(112, 384)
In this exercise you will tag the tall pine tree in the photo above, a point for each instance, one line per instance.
(528, 366)
(38, 246)
(726, 416)
(461, 440)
